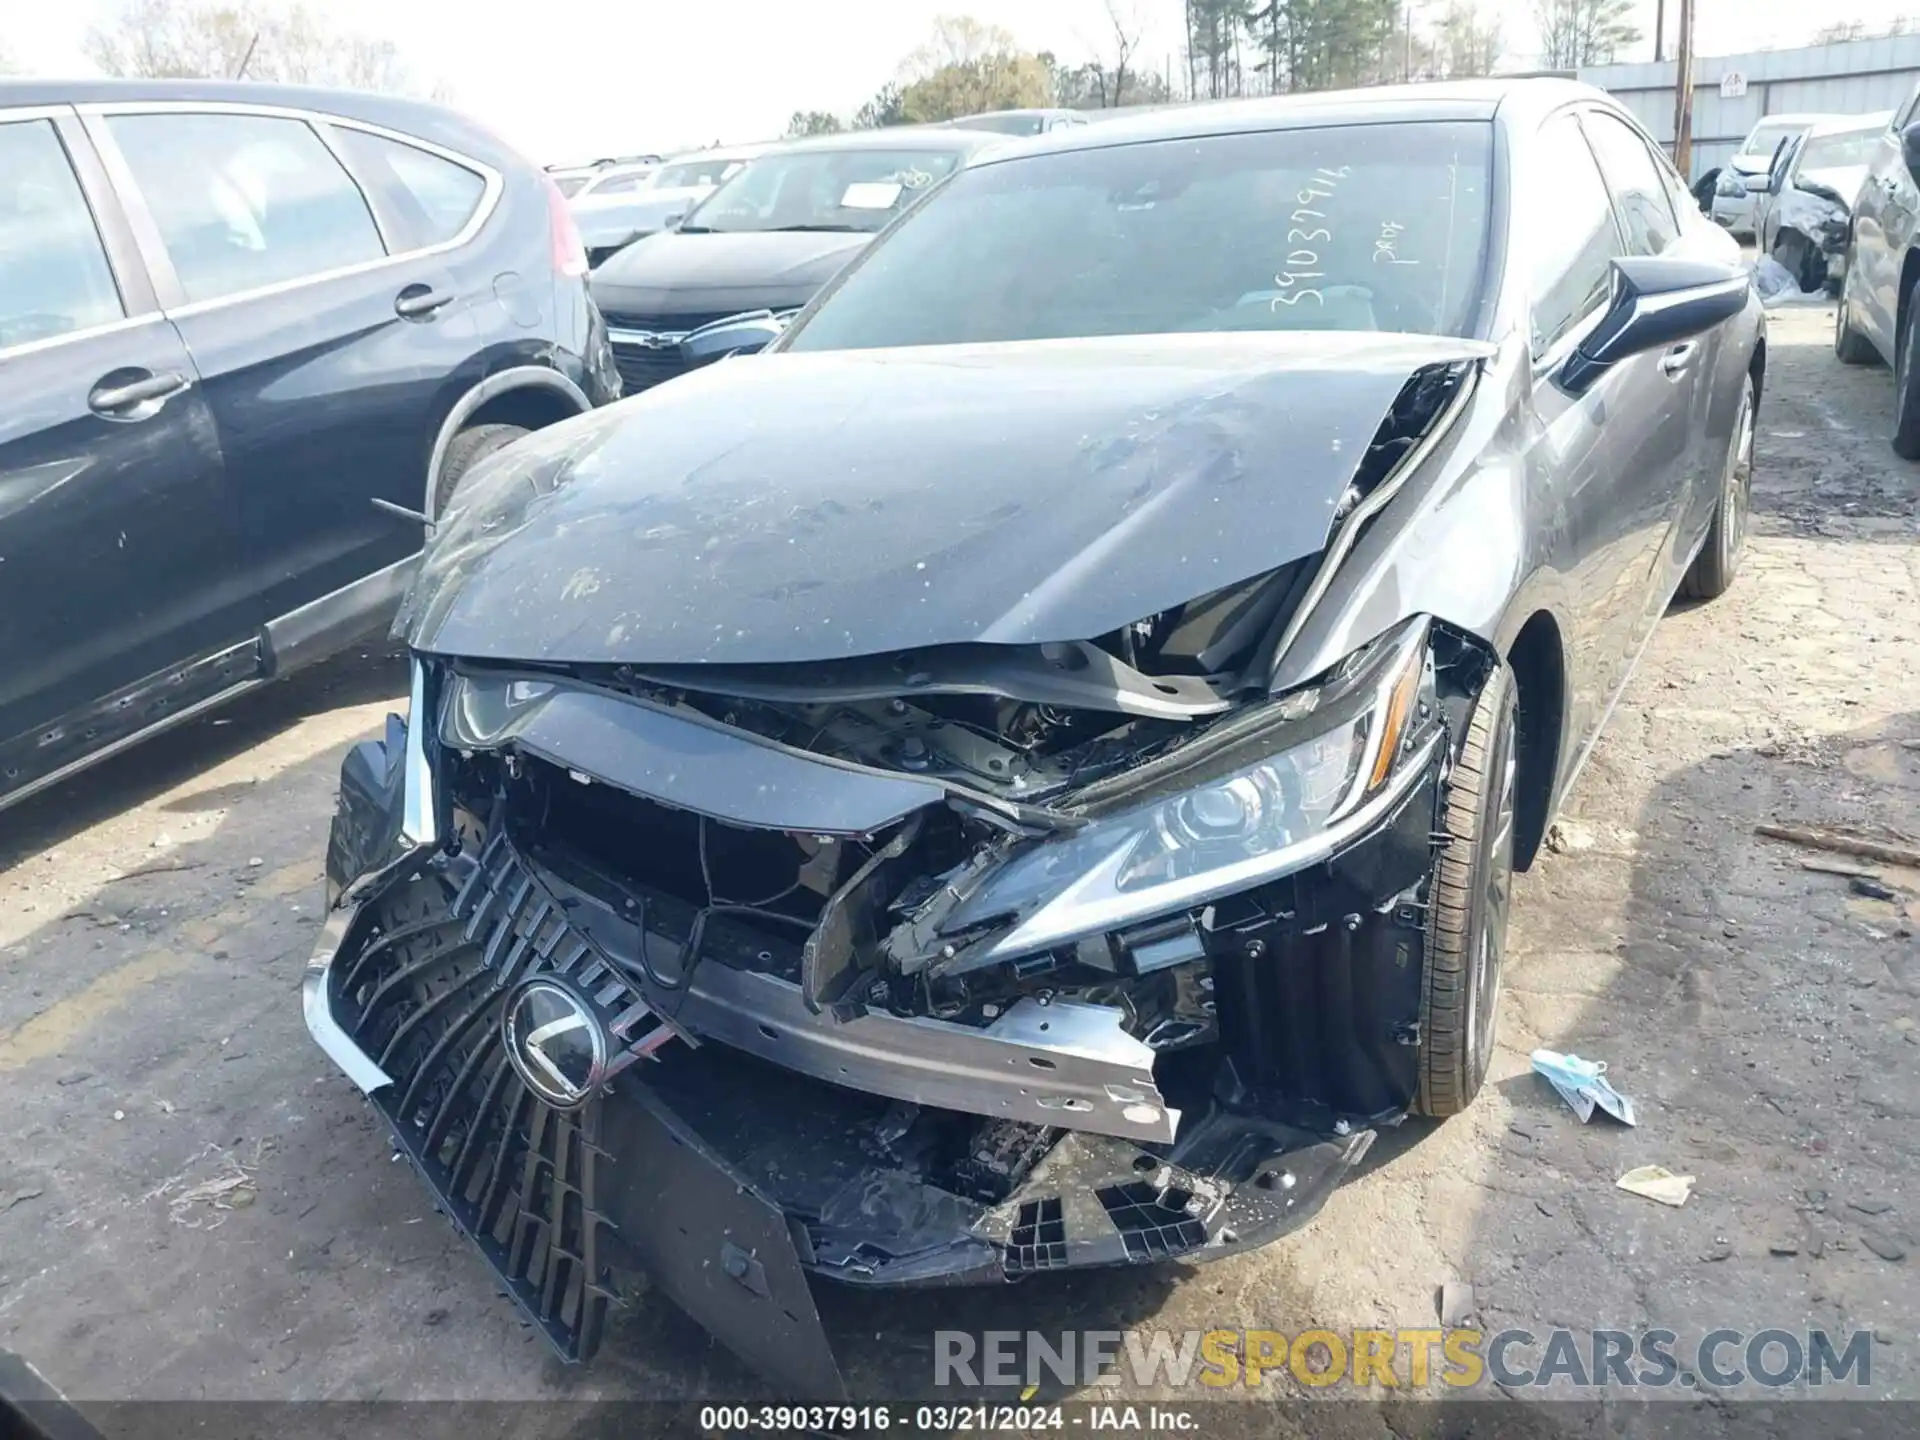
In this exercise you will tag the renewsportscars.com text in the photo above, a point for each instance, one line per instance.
(1418, 1359)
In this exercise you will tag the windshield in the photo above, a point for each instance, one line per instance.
(822, 190)
(695, 174)
(1766, 139)
(1004, 124)
(1843, 147)
(1360, 227)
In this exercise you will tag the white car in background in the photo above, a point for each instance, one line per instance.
(610, 222)
(615, 180)
(1733, 192)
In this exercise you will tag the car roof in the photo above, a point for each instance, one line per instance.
(717, 152)
(420, 118)
(1515, 101)
(1026, 110)
(1847, 124)
(897, 137)
(1809, 117)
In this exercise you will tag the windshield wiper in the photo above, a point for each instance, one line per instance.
(695, 230)
(822, 229)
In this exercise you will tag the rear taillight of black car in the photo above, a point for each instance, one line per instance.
(569, 255)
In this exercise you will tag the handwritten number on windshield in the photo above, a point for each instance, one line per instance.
(1303, 263)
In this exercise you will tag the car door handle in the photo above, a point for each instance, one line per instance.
(418, 302)
(117, 400)
(1674, 363)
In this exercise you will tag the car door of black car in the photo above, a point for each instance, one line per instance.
(118, 550)
(332, 345)
(1604, 464)
(1692, 435)
(1885, 214)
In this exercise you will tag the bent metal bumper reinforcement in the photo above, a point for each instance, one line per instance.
(1067, 1065)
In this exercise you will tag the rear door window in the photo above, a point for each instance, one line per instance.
(54, 277)
(245, 201)
(427, 198)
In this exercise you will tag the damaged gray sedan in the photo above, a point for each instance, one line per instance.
(1026, 773)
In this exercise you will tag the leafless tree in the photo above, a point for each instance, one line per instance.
(1124, 18)
(1583, 32)
(212, 39)
(1471, 41)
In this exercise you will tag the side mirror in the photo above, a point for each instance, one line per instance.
(1656, 301)
(1910, 146)
(1757, 184)
(735, 335)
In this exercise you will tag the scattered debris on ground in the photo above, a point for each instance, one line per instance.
(1656, 1182)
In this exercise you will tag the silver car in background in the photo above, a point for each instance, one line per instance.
(1747, 170)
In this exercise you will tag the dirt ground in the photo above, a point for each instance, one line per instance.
(193, 1204)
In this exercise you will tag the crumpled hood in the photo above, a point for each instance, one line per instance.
(793, 507)
(675, 274)
(1843, 180)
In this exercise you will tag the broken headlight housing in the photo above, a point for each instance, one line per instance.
(1332, 758)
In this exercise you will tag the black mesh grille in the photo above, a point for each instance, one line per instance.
(643, 369)
(1155, 1223)
(424, 998)
(1039, 1239)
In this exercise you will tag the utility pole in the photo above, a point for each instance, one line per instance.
(1659, 30)
(1683, 95)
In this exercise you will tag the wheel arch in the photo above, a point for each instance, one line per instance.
(527, 395)
(1537, 658)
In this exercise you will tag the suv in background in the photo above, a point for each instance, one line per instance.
(1877, 316)
(245, 331)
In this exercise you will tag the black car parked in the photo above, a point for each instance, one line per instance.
(231, 318)
(1056, 730)
(767, 238)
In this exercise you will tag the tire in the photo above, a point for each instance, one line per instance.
(1906, 384)
(466, 450)
(1714, 567)
(1470, 892)
(1849, 344)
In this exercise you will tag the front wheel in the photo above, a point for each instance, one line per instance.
(466, 450)
(1714, 567)
(1470, 895)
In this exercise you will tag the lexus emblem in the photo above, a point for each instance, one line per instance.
(555, 1042)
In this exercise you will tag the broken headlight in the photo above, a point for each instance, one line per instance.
(1337, 756)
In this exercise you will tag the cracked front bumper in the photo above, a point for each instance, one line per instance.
(763, 1143)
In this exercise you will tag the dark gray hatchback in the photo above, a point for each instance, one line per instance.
(234, 321)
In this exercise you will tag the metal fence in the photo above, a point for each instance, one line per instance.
(1854, 77)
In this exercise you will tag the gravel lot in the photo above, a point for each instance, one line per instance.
(156, 913)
